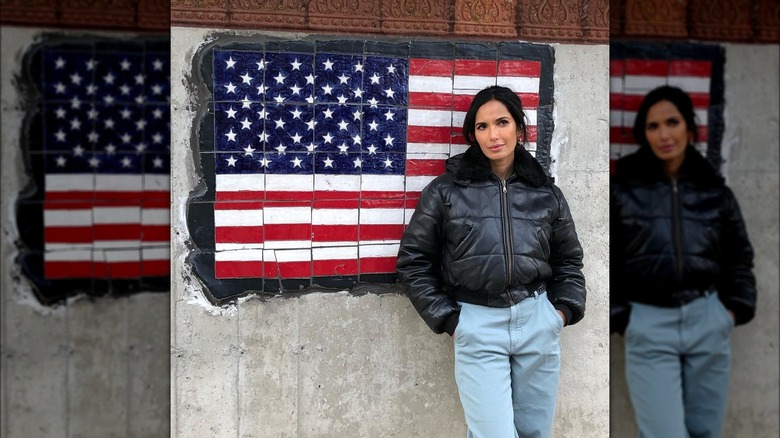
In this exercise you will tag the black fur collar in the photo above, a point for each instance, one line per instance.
(473, 165)
(644, 166)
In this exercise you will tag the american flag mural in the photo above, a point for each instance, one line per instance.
(637, 68)
(99, 151)
(319, 156)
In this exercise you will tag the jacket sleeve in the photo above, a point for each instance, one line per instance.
(419, 263)
(737, 285)
(566, 287)
(619, 309)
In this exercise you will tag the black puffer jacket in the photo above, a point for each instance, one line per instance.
(668, 238)
(474, 240)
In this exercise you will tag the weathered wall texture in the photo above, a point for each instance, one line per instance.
(87, 367)
(340, 364)
(750, 151)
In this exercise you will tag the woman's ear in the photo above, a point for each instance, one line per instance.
(519, 136)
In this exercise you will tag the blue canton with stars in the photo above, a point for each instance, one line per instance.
(284, 113)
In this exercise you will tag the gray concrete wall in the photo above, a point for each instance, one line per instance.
(86, 368)
(335, 364)
(750, 148)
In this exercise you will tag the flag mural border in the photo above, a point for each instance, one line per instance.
(201, 203)
(29, 209)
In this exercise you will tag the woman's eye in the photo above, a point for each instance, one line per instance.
(674, 122)
(502, 122)
(479, 127)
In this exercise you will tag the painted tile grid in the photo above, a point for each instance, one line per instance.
(320, 157)
(633, 75)
(106, 161)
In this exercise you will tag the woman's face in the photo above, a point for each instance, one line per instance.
(496, 132)
(666, 132)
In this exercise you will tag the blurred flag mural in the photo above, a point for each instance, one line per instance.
(637, 68)
(315, 153)
(98, 148)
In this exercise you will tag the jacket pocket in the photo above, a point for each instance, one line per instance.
(544, 242)
(465, 242)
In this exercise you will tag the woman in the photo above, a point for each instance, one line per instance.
(681, 268)
(491, 257)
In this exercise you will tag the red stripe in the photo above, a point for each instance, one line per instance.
(428, 134)
(319, 195)
(72, 195)
(243, 195)
(59, 270)
(290, 203)
(631, 102)
(238, 269)
(461, 102)
(238, 234)
(287, 269)
(529, 100)
(82, 203)
(700, 100)
(616, 68)
(431, 67)
(381, 203)
(155, 233)
(287, 232)
(334, 233)
(531, 69)
(68, 234)
(411, 202)
(381, 232)
(469, 67)
(58, 205)
(156, 268)
(424, 167)
(156, 203)
(701, 69)
(238, 205)
(117, 231)
(430, 100)
(164, 195)
(646, 67)
(117, 270)
(121, 196)
(327, 268)
(377, 265)
(289, 196)
(346, 203)
(381, 195)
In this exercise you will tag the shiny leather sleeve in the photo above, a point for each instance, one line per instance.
(737, 285)
(567, 284)
(419, 260)
(619, 309)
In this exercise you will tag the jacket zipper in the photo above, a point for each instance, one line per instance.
(507, 224)
(677, 229)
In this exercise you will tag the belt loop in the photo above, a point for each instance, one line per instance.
(536, 294)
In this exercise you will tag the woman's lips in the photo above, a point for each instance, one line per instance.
(495, 147)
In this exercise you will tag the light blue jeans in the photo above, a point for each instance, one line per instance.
(507, 362)
(678, 362)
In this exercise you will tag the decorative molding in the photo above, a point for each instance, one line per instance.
(417, 17)
(768, 27)
(551, 19)
(490, 18)
(729, 20)
(658, 18)
(598, 20)
(355, 15)
(141, 15)
(278, 14)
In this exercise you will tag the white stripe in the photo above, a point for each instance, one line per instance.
(156, 253)
(426, 156)
(335, 253)
(114, 244)
(458, 149)
(289, 183)
(636, 84)
(430, 84)
(616, 118)
(69, 182)
(287, 215)
(116, 255)
(286, 244)
(381, 216)
(417, 183)
(380, 183)
(691, 84)
(157, 182)
(426, 117)
(156, 216)
(68, 255)
(237, 183)
(519, 84)
(408, 212)
(379, 250)
(237, 246)
(443, 148)
(472, 82)
(244, 255)
(290, 255)
(346, 244)
(67, 218)
(337, 183)
(237, 218)
(615, 84)
(334, 216)
(117, 215)
(119, 183)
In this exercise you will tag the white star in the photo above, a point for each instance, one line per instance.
(296, 162)
(156, 89)
(388, 140)
(59, 63)
(139, 79)
(157, 138)
(373, 125)
(230, 88)
(388, 163)
(78, 150)
(264, 162)
(327, 138)
(157, 162)
(328, 64)
(280, 78)
(358, 67)
(358, 92)
(110, 149)
(75, 124)
(391, 69)
(231, 113)
(295, 90)
(311, 124)
(245, 102)
(343, 79)
(75, 78)
(356, 115)
(60, 113)
(248, 150)
(343, 148)
(247, 79)
(373, 102)
(356, 139)
(281, 148)
(342, 99)
(343, 125)
(358, 162)
(263, 136)
(295, 64)
(125, 64)
(140, 147)
(389, 115)
(310, 79)
(372, 150)
(92, 137)
(140, 124)
(389, 93)
(93, 162)
(328, 113)
(230, 63)
(279, 123)
(261, 114)
(260, 65)
(124, 89)
(327, 89)
(125, 113)
(75, 103)
(109, 123)
(109, 78)
(310, 99)
(126, 162)
(296, 138)
(231, 135)
(245, 124)
(61, 161)
(328, 162)
(296, 113)
(375, 79)
(158, 64)
(261, 89)
(231, 161)
(91, 88)
(279, 99)
(59, 88)
(311, 147)
(126, 138)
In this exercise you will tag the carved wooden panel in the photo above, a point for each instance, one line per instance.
(344, 15)
(550, 19)
(418, 17)
(768, 27)
(88, 14)
(491, 18)
(658, 18)
(617, 17)
(598, 20)
(200, 12)
(282, 14)
(109, 12)
(42, 12)
(725, 20)
(154, 14)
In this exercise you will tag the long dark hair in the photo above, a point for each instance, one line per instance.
(503, 95)
(676, 97)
